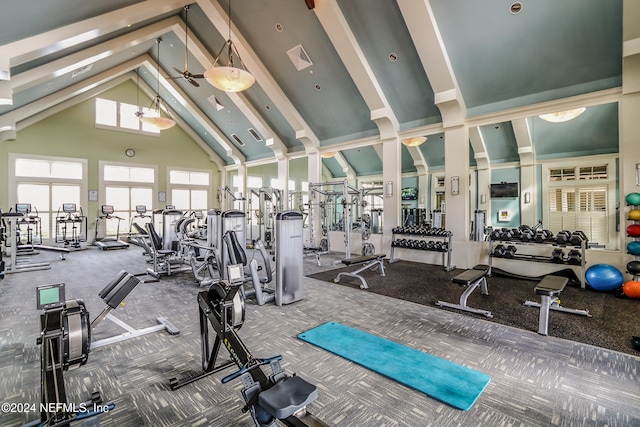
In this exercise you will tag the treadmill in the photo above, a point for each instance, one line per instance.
(109, 242)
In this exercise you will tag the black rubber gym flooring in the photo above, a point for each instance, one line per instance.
(614, 321)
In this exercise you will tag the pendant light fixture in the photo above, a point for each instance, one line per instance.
(156, 119)
(562, 116)
(415, 141)
(229, 78)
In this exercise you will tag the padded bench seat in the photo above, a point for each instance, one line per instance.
(370, 261)
(551, 285)
(549, 288)
(471, 279)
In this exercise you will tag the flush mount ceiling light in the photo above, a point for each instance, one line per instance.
(156, 119)
(515, 8)
(562, 116)
(415, 141)
(328, 154)
(229, 78)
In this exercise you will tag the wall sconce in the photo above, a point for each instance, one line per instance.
(483, 199)
(527, 197)
(389, 188)
(455, 185)
(637, 175)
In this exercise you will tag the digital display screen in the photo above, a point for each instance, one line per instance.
(235, 273)
(50, 296)
(107, 209)
(69, 207)
(23, 207)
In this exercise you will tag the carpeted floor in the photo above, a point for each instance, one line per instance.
(614, 321)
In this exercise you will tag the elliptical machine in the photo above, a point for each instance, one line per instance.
(268, 398)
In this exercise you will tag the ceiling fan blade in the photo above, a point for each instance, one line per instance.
(177, 71)
(174, 77)
(197, 76)
(193, 82)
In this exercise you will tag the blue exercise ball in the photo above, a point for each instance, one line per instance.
(633, 248)
(604, 277)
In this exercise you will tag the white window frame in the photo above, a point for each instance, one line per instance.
(118, 127)
(170, 187)
(102, 183)
(14, 181)
(577, 163)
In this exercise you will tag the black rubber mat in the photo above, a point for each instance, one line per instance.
(612, 326)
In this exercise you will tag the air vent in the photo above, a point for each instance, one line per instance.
(299, 58)
(216, 102)
(81, 70)
(255, 134)
(238, 140)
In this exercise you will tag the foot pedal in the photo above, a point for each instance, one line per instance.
(168, 326)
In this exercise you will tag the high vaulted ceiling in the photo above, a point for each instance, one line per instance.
(378, 69)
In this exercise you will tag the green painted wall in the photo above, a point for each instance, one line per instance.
(72, 133)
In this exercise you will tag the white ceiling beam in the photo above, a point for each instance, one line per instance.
(479, 148)
(47, 43)
(346, 167)
(522, 134)
(426, 37)
(344, 41)
(92, 54)
(218, 17)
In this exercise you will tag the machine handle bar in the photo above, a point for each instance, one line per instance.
(256, 363)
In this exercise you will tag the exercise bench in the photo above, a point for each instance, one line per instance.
(370, 261)
(549, 289)
(470, 279)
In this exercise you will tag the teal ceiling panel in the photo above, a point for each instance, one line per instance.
(500, 142)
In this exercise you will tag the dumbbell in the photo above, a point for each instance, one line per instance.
(577, 237)
(516, 233)
(563, 237)
(557, 255)
(527, 233)
(431, 245)
(506, 234)
(543, 235)
(499, 251)
(510, 251)
(574, 257)
(422, 245)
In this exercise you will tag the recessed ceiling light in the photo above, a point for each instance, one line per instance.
(515, 7)
(318, 87)
(267, 107)
(393, 57)
(279, 27)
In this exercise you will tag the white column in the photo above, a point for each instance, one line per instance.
(456, 151)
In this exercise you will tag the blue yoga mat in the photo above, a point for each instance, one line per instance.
(445, 381)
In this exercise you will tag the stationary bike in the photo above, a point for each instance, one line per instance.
(268, 398)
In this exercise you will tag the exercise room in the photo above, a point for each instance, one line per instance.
(320, 213)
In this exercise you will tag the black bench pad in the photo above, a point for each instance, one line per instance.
(468, 277)
(551, 285)
(362, 259)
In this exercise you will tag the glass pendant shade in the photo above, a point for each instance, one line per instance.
(229, 78)
(162, 123)
(415, 141)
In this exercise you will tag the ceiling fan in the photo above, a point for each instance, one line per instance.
(186, 74)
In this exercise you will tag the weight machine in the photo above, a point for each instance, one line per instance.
(268, 398)
(69, 219)
(351, 197)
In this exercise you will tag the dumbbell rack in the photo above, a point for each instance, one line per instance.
(445, 238)
(541, 259)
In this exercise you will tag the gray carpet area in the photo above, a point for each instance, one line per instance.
(535, 380)
(614, 321)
